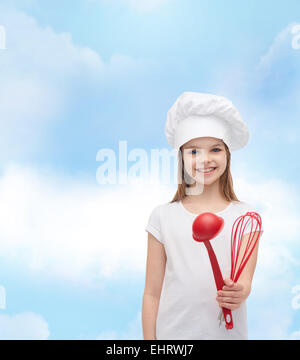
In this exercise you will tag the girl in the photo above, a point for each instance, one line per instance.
(180, 298)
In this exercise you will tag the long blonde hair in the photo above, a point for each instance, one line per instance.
(226, 182)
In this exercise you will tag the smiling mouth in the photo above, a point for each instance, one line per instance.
(208, 171)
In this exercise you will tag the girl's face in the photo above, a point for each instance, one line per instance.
(203, 153)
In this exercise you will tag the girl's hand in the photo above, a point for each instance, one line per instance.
(232, 294)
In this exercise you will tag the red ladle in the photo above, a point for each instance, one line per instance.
(206, 226)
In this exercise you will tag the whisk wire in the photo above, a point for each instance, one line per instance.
(236, 245)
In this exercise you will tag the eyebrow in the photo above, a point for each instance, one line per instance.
(199, 147)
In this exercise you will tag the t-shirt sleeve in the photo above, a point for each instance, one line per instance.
(154, 225)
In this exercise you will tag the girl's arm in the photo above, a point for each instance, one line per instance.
(155, 271)
(233, 294)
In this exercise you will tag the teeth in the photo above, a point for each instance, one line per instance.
(206, 170)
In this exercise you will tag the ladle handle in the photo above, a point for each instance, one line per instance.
(219, 281)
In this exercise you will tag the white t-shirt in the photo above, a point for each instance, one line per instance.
(188, 309)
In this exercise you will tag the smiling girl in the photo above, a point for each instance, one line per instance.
(180, 298)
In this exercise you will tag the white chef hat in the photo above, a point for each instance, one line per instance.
(196, 115)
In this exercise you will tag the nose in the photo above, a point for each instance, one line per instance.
(203, 158)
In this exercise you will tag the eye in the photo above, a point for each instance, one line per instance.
(195, 150)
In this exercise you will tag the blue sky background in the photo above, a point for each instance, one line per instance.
(80, 76)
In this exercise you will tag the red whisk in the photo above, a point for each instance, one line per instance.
(237, 235)
(236, 245)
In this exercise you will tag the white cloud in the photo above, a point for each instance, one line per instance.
(295, 335)
(24, 326)
(75, 230)
(275, 65)
(40, 69)
(133, 331)
(72, 229)
(269, 91)
(281, 47)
